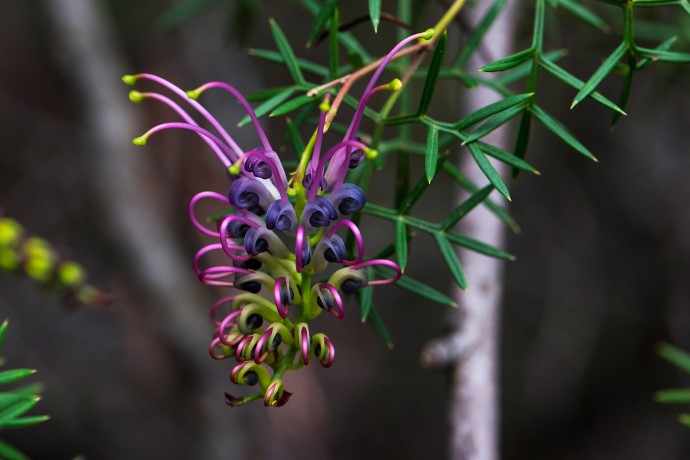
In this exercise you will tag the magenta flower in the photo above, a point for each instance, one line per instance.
(264, 327)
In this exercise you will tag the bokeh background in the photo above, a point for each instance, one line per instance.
(602, 272)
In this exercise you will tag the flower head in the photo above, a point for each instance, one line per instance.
(279, 235)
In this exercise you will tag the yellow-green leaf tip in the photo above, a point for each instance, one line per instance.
(129, 79)
(141, 140)
(395, 85)
(135, 96)
(194, 94)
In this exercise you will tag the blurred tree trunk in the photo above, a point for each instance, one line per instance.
(146, 245)
(471, 348)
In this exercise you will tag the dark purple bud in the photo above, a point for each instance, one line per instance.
(348, 199)
(251, 264)
(350, 286)
(306, 182)
(319, 212)
(254, 321)
(251, 379)
(258, 167)
(277, 340)
(237, 229)
(325, 301)
(335, 249)
(247, 193)
(280, 216)
(356, 158)
(254, 243)
(249, 286)
(306, 255)
(257, 210)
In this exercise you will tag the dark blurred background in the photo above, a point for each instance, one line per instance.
(602, 272)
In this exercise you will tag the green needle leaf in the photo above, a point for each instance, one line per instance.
(431, 154)
(451, 258)
(673, 396)
(675, 355)
(561, 131)
(376, 322)
(583, 13)
(493, 123)
(473, 42)
(375, 13)
(492, 109)
(684, 418)
(333, 50)
(509, 62)
(287, 53)
(466, 206)
(274, 56)
(18, 408)
(322, 18)
(15, 375)
(488, 170)
(269, 105)
(366, 297)
(293, 104)
(3, 332)
(478, 246)
(401, 243)
(601, 73)
(417, 287)
(664, 56)
(7, 452)
(432, 75)
(507, 158)
(22, 422)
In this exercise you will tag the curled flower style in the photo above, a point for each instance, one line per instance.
(280, 236)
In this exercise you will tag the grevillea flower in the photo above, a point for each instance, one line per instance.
(281, 238)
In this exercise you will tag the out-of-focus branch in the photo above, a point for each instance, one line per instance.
(471, 348)
(91, 60)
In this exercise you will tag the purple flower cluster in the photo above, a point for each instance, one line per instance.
(280, 233)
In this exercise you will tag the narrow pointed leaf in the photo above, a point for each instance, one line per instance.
(274, 56)
(366, 297)
(333, 50)
(673, 396)
(561, 131)
(492, 109)
(664, 56)
(417, 287)
(8, 452)
(267, 106)
(684, 419)
(451, 258)
(18, 409)
(625, 89)
(675, 355)
(401, 243)
(578, 84)
(507, 158)
(287, 52)
(664, 46)
(322, 18)
(293, 104)
(295, 139)
(466, 206)
(376, 322)
(509, 62)
(265, 94)
(375, 13)
(493, 123)
(488, 170)
(596, 78)
(347, 39)
(431, 154)
(15, 375)
(583, 13)
(522, 140)
(419, 188)
(3, 332)
(22, 422)
(468, 185)
(473, 42)
(432, 75)
(478, 246)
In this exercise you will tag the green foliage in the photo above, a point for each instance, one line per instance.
(681, 360)
(14, 404)
(417, 139)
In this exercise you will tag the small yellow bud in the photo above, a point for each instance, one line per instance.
(129, 79)
(325, 106)
(234, 169)
(428, 34)
(135, 96)
(141, 140)
(194, 94)
(395, 85)
(371, 153)
(71, 274)
(10, 231)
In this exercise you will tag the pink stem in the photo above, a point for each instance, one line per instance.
(386, 262)
(318, 174)
(192, 216)
(358, 239)
(200, 108)
(299, 243)
(225, 159)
